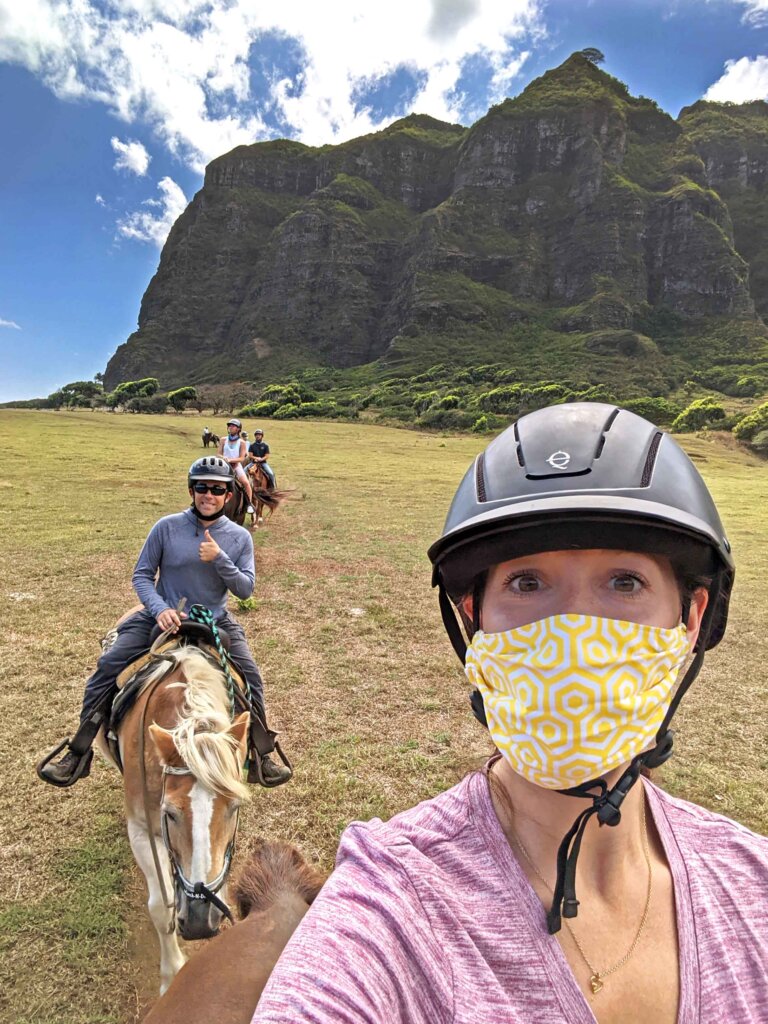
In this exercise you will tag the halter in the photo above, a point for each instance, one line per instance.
(196, 890)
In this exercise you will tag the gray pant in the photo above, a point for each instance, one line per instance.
(133, 640)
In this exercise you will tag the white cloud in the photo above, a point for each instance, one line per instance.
(154, 223)
(744, 80)
(100, 200)
(131, 156)
(181, 67)
(756, 11)
(9, 323)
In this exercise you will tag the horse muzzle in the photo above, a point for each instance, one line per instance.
(197, 918)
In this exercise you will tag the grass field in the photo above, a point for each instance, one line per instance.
(360, 677)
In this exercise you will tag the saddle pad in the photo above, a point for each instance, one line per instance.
(136, 666)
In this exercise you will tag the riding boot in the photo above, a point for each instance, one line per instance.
(76, 763)
(261, 743)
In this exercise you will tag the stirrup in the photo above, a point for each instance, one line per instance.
(83, 766)
(255, 774)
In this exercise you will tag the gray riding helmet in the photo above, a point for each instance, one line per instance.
(236, 422)
(582, 475)
(210, 468)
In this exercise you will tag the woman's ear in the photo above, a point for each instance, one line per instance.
(699, 602)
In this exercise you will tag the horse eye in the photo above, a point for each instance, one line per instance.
(171, 813)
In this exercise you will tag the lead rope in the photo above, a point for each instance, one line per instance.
(199, 613)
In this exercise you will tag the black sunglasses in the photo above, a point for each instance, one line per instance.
(203, 488)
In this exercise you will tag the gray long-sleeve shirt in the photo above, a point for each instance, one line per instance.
(173, 548)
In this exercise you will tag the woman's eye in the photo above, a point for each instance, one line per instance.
(627, 584)
(524, 583)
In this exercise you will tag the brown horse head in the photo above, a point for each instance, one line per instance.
(275, 868)
(202, 759)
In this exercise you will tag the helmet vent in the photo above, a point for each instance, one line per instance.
(519, 449)
(480, 477)
(606, 428)
(651, 459)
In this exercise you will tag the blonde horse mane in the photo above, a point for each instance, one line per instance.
(202, 736)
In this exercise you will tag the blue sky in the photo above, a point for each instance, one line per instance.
(109, 112)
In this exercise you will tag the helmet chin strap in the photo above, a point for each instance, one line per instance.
(207, 519)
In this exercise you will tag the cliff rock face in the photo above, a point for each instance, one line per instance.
(574, 204)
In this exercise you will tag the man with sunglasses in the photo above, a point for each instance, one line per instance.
(197, 555)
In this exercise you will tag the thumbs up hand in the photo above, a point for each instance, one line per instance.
(209, 549)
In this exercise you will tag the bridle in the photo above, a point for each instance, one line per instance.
(192, 890)
(195, 890)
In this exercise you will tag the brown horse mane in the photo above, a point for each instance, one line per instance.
(275, 867)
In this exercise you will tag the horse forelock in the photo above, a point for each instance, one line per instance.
(275, 868)
(201, 736)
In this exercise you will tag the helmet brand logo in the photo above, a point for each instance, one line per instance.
(559, 460)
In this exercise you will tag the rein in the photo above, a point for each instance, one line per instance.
(169, 904)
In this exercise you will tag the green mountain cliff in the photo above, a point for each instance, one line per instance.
(574, 232)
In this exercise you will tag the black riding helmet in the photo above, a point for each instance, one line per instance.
(579, 476)
(210, 468)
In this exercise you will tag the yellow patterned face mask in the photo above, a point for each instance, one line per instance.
(570, 697)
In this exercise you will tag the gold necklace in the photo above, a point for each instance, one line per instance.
(597, 977)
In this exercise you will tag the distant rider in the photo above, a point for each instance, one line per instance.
(232, 448)
(259, 453)
(201, 556)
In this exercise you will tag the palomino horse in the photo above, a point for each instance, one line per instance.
(182, 759)
(224, 981)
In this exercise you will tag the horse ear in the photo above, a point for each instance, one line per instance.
(239, 731)
(164, 744)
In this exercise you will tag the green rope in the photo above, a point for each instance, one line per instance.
(199, 613)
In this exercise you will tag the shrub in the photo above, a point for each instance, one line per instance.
(282, 394)
(290, 411)
(752, 424)
(323, 408)
(258, 409)
(147, 403)
(759, 442)
(425, 400)
(505, 400)
(446, 419)
(657, 410)
(449, 402)
(179, 398)
(729, 422)
(143, 388)
(698, 414)
(749, 386)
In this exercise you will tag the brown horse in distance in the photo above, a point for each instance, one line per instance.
(225, 980)
(210, 438)
(260, 484)
(237, 508)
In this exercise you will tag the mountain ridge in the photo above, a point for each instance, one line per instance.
(563, 214)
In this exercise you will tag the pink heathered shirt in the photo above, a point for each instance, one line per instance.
(429, 918)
